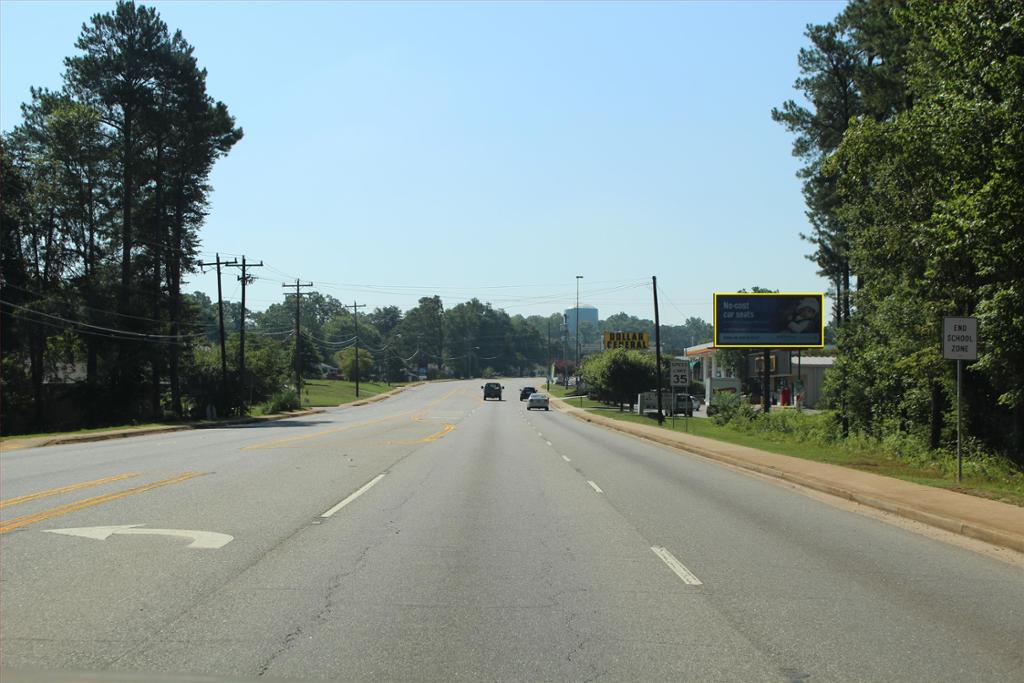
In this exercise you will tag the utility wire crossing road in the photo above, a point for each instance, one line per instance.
(434, 536)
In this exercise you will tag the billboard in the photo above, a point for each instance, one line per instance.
(769, 321)
(626, 340)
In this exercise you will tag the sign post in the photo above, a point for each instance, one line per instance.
(680, 375)
(959, 343)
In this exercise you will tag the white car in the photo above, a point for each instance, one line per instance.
(537, 401)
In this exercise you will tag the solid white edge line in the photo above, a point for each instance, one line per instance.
(566, 459)
(688, 577)
(363, 489)
(594, 486)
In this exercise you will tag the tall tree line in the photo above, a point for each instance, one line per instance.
(105, 191)
(913, 144)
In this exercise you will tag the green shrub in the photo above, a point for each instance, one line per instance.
(286, 399)
(728, 408)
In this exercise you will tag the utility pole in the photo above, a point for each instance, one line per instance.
(565, 334)
(245, 279)
(657, 345)
(220, 312)
(547, 370)
(355, 314)
(298, 333)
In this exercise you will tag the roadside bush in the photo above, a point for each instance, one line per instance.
(730, 409)
(824, 429)
(286, 399)
(811, 427)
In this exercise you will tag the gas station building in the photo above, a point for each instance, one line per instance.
(791, 374)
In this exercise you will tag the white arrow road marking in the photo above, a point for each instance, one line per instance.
(688, 577)
(200, 539)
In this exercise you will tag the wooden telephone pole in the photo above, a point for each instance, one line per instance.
(355, 314)
(245, 279)
(220, 312)
(298, 333)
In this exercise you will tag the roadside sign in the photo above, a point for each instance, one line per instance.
(626, 340)
(960, 338)
(959, 343)
(680, 372)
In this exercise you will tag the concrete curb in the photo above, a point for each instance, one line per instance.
(957, 526)
(58, 440)
(382, 397)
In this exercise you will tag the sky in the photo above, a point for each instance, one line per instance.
(495, 150)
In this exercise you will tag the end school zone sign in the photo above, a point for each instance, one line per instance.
(960, 338)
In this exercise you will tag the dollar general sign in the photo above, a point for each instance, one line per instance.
(626, 340)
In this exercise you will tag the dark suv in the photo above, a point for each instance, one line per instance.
(492, 390)
(525, 392)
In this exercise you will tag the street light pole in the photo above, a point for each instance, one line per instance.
(578, 278)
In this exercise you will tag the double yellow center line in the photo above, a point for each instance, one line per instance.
(65, 489)
(17, 522)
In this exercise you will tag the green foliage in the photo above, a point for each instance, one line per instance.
(268, 367)
(105, 189)
(284, 399)
(619, 375)
(729, 407)
(346, 361)
(915, 186)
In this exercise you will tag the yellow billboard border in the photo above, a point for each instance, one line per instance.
(820, 295)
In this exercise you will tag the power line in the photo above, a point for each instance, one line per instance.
(122, 334)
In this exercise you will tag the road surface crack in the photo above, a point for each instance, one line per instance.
(321, 616)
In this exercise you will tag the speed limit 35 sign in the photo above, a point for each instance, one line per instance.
(680, 372)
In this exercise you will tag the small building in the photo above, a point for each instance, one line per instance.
(791, 374)
(705, 368)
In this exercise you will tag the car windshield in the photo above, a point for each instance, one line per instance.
(268, 268)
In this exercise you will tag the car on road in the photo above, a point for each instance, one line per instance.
(525, 392)
(537, 401)
(492, 390)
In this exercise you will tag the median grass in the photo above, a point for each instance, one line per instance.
(803, 435)
(72, 432)
(318, 393)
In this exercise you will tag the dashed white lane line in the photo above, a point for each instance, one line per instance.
(688, 577)
(566, 459)
(363, 489)
(594, 486)
(548, 442)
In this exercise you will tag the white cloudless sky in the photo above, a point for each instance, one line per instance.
(496, 150)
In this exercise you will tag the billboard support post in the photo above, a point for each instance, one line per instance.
(766, 379)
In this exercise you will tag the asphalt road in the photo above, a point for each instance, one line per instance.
(471, 540)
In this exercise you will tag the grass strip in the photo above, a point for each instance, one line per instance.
(1008, 488)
